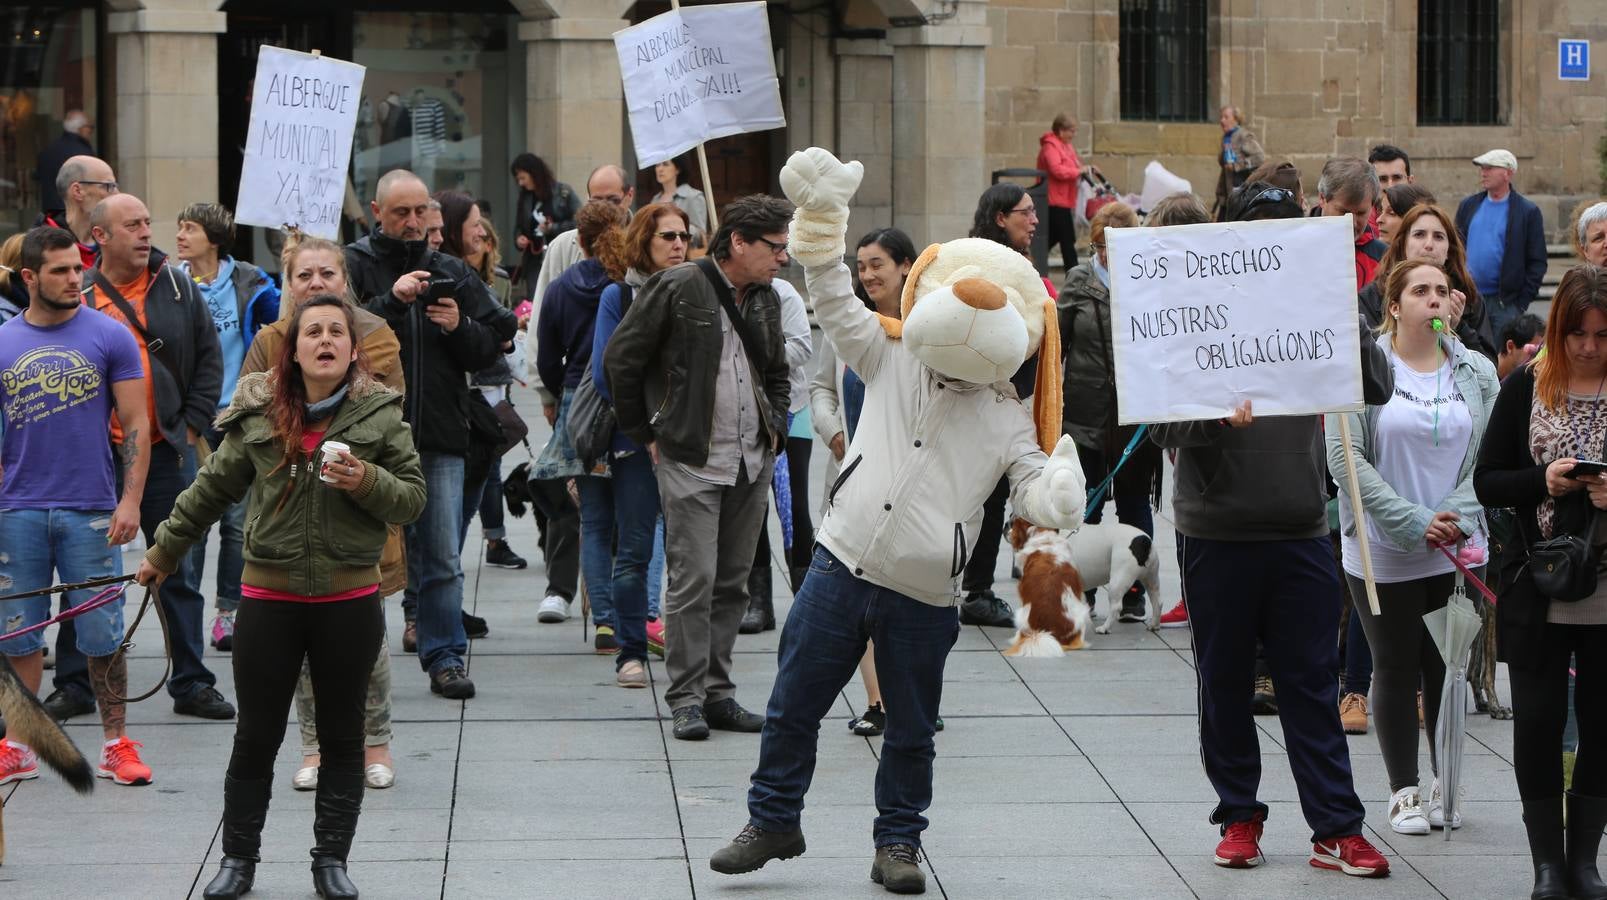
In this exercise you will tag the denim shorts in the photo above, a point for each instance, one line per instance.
(72, 544)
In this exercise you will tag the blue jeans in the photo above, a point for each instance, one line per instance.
(655, 571)
(821, 644)
(231, 541)
(486, 499)
(435, 564)
(72, 544)
(172, 470)
(618, 517)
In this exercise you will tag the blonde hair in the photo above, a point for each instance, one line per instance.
(1395, 286)
(11, 259)
(298, 242)
(1111, 215)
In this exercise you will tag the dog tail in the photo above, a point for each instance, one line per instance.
(1035, 644)
(26, 721)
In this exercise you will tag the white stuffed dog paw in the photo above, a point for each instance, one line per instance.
(817, 181)
(1062, 488)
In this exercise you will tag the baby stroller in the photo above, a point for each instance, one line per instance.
(1093, 192)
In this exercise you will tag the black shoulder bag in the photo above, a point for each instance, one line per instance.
(1564, 567)
(153, 344)
(591, 421)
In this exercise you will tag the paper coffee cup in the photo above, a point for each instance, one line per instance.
(331, 451)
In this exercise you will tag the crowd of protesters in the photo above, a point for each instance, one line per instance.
(358, 402)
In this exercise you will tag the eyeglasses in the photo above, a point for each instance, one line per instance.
(110, 186)
(775, 248)
(684, 237)
(1029, 210)
(616, 199)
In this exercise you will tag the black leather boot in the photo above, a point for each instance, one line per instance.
(340, 801)
(797, 574)
(1543, 820)
(245, 809)
(761, 614)
(1587, 817)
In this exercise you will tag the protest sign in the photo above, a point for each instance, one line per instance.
(1204, 317)
(699, 73)
(299, 144)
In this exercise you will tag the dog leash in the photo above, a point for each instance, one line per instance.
(1098, 495)
(114, 588)
(96, 602)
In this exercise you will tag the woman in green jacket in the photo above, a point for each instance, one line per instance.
(332, 463)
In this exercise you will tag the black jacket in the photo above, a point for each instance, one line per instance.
(66, 146)
(1523, 265)
(1474, 330)
(434, 363)
(1266, 482)
(188, 367)
(560, 218)
(665, 355)
(1507, 476)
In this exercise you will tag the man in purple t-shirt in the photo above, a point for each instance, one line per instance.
(64, 368)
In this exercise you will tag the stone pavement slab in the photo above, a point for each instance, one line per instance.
(1077, 777)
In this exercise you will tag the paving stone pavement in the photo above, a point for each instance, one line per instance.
(1077, 777)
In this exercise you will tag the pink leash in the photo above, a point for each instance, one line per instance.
(1476, 556)
(115, 592)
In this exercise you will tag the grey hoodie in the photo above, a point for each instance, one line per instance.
(1267, 481)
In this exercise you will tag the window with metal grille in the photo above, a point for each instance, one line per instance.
(1163, 60)
(1459, 62)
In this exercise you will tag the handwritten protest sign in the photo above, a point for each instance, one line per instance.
(698, 73)
(1204, 317)
(298, 147)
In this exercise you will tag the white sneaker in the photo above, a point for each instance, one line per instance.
(305, 779)
(554, 608)
(1435, 809)
(1406, 811)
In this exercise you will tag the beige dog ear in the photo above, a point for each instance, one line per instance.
(927, 257)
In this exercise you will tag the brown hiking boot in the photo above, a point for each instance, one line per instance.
(753, 847)
(897, 869)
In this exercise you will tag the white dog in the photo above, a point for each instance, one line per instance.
(1114, 556)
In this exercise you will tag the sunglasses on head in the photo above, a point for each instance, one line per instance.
(1270, 195)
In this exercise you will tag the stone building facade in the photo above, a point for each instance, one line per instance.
(932, 95)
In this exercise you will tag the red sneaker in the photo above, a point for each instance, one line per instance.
(1350, 854)
(119, 761)
(655, 637)
(1176, 617)
(17, 762)
(1241, 844)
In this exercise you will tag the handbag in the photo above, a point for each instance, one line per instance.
(514, 429)
(591, 422)
(1564, 567)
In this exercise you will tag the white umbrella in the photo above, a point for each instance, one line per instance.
(1454, 627)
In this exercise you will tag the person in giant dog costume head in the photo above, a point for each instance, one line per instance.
(940, 425)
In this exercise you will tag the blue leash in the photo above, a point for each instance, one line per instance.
(1098, 495)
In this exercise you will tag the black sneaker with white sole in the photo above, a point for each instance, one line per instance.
(499, 554)
(1132, 608)
(985, 608)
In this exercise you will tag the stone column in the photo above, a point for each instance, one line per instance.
(939, 75)
(576, 118)
(865, 128)
(166, 102)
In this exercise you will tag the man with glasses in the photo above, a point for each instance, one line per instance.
(699, 376)
(560, 545)
(82, 182)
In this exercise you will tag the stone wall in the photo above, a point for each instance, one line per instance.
(1315, 78)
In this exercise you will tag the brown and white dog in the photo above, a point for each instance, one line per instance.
(1053, 617)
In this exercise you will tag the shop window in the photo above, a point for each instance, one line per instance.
(1163, 57)
(1459, 62)
(438, 99)
(47, 68)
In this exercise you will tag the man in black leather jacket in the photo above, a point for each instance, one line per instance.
(714, 417)
(449, 325)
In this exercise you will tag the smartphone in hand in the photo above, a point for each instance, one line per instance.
(1587, 467)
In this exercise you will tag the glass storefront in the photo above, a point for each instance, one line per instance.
(441, 97)
(47, 67)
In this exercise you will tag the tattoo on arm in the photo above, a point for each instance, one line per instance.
(130, 453)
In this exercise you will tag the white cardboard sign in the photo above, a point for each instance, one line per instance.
(299, 145)
(698, 73)
(1204, 317)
